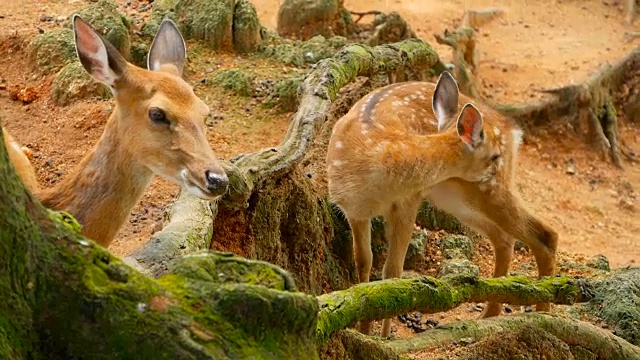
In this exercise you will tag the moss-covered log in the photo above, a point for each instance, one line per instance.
(388, 298)
(64, 297)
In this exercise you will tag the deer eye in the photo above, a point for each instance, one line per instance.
(158, 116)
(495, 157)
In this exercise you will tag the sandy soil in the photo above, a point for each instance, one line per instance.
(535, 45)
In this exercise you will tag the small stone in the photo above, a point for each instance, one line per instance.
(46, 18)
(528, 309)
(209, 70)
(49, 162)
(508, 309)
(467, 341)
(571, 167)
(61, 19)
(203, 80)
(402, 318)
(477, 307)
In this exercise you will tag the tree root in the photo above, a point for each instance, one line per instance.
(590, 106)
(462, 41)
(387, 298)
(603, 344)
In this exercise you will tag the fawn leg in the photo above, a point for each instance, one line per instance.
(361, 232)
(399, 224)
(503, 252)
(515, 220)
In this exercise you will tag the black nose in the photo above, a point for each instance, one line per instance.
(216, 182)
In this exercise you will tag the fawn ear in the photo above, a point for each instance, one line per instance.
(445, 100)
(98, 57)
(470, 126)
(168, 50)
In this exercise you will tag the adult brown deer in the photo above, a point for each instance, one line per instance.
(406, 142)
(156, 127)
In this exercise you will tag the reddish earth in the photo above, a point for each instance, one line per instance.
(535, 45)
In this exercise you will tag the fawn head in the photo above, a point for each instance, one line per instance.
(481, 150)
(158, 118)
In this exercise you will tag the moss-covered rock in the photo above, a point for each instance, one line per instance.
(238, 81)
(105, 18)
(299, 53)
(74, 83)
(431, 218)
(459, 267)
(390, 28)
(161, 9)
(599, 262)
(415, 252)
(617, 302)
(303, 19)
(285, 94)
(457, 246)
(246, 27)
(208, 20)
(51, 51)
(139, 52)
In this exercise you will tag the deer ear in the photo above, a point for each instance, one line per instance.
(445, 100)
(168, 50)
(470, 126)
(98, 57)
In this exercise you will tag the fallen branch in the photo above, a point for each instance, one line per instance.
(388, 298)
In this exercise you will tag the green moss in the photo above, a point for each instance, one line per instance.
(415, 253)
(104, 16)
(285, 94)
(238, 81)
(457, 246)
(161, 9)
(139, 53)
(599, 262)
(246, 27)
(617, 302)
(429, 217)
(73, 83)
(457, 267)
(219, 268)
(51, 51)
(303, 19)
(208, 20)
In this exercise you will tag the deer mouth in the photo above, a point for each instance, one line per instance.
(196, 189)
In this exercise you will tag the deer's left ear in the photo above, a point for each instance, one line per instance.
(470, 126)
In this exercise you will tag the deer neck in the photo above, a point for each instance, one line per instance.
(103, 189)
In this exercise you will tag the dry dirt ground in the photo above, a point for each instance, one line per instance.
(535, 45)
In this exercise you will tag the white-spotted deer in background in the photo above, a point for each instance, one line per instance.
(156, 127)
(411, 141)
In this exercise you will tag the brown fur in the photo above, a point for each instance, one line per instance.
(110, 179)
(386, 158)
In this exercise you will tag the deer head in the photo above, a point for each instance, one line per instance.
(157, 118)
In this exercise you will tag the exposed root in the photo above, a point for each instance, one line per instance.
(387, 298)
